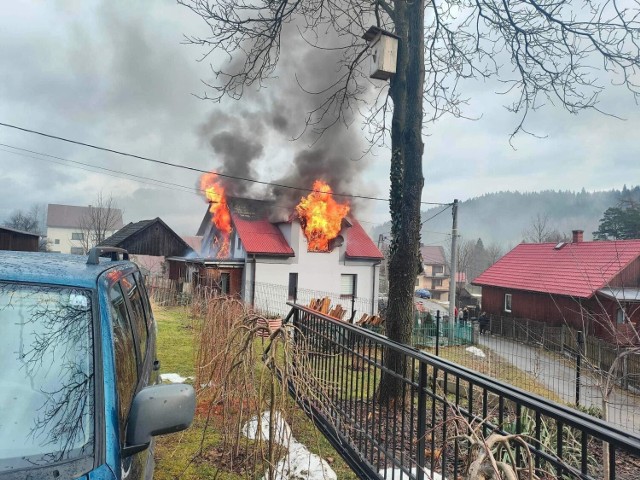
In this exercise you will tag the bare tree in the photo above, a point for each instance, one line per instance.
(494, 252)
(539, 50)
(99, 222)
(464, 255)
(32, 221)
(541, 231)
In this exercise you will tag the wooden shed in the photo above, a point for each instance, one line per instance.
(148, 237)
(17, 240)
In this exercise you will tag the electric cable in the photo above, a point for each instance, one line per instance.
(190, 168)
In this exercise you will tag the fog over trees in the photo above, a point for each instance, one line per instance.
(508, 218)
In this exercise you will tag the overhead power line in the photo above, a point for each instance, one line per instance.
(92, 168)
(120, 174)
(190, 168)
(434, 216)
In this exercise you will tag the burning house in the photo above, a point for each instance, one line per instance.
(267, 252)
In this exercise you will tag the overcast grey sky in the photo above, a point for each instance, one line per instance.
(115, 73)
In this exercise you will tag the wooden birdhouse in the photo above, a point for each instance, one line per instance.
(383, 52)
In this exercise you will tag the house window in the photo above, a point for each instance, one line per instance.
(621, 316)
(77, 236)
(348, 285)
(437, 269)
(293, 286)
(417, 281)
(507, 302)
(57, 241)
(225, 281)
(238, 244)
(77, 251)
(436, 283)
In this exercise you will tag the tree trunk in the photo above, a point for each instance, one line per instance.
(406, 187)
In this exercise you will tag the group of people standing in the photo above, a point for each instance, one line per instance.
(464, 315)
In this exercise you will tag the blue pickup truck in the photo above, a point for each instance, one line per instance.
(79, 392)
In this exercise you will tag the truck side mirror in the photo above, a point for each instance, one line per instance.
(158, 410)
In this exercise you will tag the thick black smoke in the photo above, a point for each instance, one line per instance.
(237, 143)
(279, 112)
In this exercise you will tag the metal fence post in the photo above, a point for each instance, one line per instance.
(422, 419)
(625, 372)
(437, 333)
(600, 354)
(353, 308)
(578, 365)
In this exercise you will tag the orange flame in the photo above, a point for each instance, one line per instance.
(220, 215)
(321, 216)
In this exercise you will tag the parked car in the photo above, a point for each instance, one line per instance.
(78, 380)
(423, 293)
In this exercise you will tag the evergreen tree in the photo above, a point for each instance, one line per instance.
(619, 223)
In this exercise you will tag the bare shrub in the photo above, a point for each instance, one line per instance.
(243, 369)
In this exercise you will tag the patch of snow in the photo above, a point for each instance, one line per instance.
(282, 432)
(475, 351)
(299, 463)
(397, 474)
(173, 378)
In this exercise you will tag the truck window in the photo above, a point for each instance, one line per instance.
(125, 355)
(138, 318)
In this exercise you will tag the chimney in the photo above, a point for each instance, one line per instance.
(577, 236)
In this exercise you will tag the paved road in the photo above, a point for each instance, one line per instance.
(433, 306)
(560, 377)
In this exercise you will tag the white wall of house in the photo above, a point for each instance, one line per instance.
(61, 240)
(317, 272)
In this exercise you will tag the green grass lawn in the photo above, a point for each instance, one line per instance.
(176, 341)
(199, 453)
(192, 455)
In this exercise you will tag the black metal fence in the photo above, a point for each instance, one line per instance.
(444, 417)
(576, 368)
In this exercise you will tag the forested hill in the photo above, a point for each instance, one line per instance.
(504, 218)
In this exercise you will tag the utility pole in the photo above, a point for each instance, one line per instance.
(454, 262)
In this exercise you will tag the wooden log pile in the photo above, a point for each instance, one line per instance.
(370, 320)
(323, 305)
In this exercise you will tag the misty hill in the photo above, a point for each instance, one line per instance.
(503, 217)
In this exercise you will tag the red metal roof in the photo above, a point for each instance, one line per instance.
(359, 244)
(575, 269)
(261, 237)
(253, 222)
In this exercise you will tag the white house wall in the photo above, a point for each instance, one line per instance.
(318, 272)
(60, 238)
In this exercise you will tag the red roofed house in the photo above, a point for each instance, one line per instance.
(269, 260)
(592, 286)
